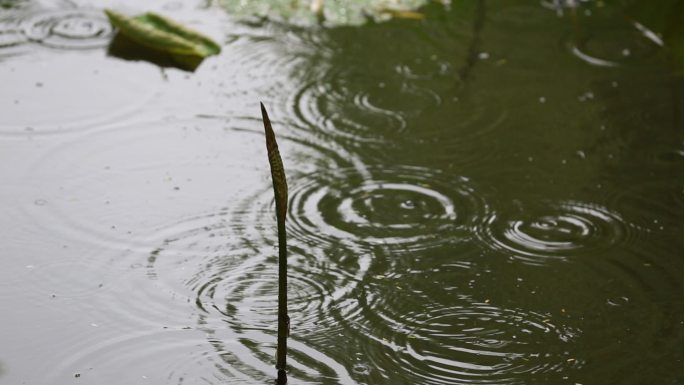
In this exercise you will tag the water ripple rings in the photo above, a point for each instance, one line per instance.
(231, 274)
(400, 207)
(655, 206)
(473, 343)
(171, 356)
(68, 29)
(485, 344)
(88, 106)
(361, 108)
(554, 231)
(162, 171)
(611, 46)
(10, 35)
(247, 297)
(249, 359)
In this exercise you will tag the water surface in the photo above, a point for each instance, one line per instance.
(491, 195)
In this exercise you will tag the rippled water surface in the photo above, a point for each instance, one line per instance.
(491, 195)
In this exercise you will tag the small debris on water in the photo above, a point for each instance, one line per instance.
(77, 375)
(542, 99)
(40, 202)
(626, 52)
(586, 96)
(39, 84)
(483, 56)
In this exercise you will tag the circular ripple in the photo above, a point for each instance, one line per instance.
(69, 29)
(171, 356)
(611, 45)
(402, 207)
(554, 231)
(247, 298)
(655, 206)
(10, 37)
(230, 274)
(469, 343)
(234, 280)
(360, 108)
(100, 93)
(485, 344)
(162, 171)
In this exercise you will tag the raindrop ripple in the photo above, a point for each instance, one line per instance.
(404, 207)
(68, 29)
(554, 231)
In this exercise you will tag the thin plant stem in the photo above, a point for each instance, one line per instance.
(280, 192)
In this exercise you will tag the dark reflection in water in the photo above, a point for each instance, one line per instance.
(491, 195)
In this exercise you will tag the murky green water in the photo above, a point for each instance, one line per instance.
(494, 195)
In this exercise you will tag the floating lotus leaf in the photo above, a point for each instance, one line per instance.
(159, 33)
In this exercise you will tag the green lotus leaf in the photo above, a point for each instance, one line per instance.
(162, 34)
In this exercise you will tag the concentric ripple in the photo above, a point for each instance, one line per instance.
(613, 45)
(361, 108)
(232, 281)
(10, 34)
(655, 206)
(554, 231)
(470, 343)
(401, 207)
(162, 170)
(170, 356)
(486, 344)
(68, 100)
(68, 29)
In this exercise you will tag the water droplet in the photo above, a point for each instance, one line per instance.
(617, 301)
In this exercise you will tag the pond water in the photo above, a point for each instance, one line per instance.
(491, 195)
